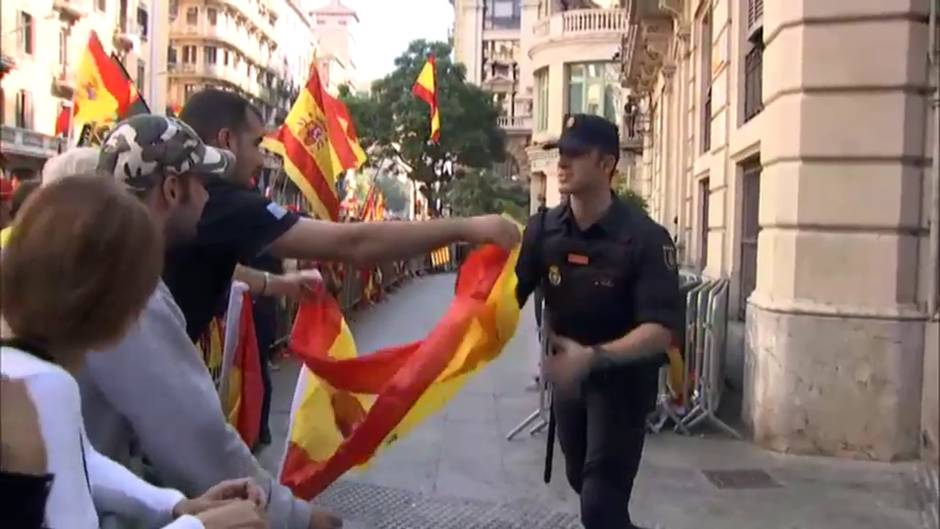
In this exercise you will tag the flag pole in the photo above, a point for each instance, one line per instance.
(127, 76)
(156, 44)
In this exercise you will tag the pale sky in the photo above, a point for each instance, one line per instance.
(387, 26)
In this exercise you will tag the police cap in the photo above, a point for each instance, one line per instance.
(586, 132)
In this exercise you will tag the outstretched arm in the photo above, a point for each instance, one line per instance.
(371, 242)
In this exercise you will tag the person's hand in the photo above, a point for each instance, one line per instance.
(324, 520)
(569, 363)
(237, 514)
(493, 229)
(221, 494)
(296, 286)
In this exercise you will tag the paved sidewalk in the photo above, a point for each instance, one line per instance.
(458, 471)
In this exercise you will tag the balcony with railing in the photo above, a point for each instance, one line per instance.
(515, 123)
(69, 10)
(652, 26)
(590, 23)
(25, 142)
(63, 84)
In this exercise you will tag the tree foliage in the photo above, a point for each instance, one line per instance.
(394, 124)
(623, 190)
(481, 192)
(396, 197)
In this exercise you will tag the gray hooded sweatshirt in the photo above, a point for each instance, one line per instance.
(153, 389)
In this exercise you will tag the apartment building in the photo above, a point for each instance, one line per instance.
(333, 24)
(490, 39)
(257, 48)
(42, 44)
(791, 146)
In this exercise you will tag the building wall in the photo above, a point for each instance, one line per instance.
(34, 73)
(837, 349)
(332, 25)
(245, 43)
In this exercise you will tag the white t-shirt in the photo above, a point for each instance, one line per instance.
(106, 486)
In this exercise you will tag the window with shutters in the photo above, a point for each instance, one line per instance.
(192, 16)
(24, 110)
(170, 55)
(703, 197)
(141, 75)
(27, 33)
(753, 50)
(755, 16)
(212, 15)
(63, 48)
(706, 95)
(750, 228)
(143, 24)
(211, 54)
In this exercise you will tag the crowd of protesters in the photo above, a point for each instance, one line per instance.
(112, 267)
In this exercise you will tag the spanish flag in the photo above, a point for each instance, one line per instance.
(103, 94)
(316, 146)
(426, 90)
(242, 388)
(348, 406)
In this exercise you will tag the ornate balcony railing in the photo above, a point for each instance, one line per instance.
(578, 22)
(15, 140)
(515, 122)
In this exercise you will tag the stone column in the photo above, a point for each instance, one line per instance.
(835, 329)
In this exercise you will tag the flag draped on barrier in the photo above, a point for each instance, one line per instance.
(347, 406)
(242, 388)
(317, 141)
(230, 350)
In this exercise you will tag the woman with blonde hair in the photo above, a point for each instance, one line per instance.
(77, 271)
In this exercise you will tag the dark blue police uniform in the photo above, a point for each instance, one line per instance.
(598, 285)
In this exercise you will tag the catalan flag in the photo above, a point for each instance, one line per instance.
(426, 89)
(317, 142)
(348, 406)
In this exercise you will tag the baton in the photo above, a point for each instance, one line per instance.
(545, 331)
(549, 444)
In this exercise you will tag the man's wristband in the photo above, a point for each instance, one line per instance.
(264, 286)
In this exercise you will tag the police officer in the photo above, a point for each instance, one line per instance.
(609, 279)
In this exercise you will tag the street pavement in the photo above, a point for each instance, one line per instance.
(458, 470)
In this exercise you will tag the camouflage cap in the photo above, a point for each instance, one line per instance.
(142, 149)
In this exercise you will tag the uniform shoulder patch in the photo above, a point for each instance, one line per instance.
(276, 210)
(669, 257)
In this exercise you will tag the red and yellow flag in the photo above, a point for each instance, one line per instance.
(348, 406)
(425, 88)
(102, 93)
(242, 388)
(317, 143)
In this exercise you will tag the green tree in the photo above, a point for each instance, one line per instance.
(394, 124)
(396, 198)
(481, 192)
(628, 195)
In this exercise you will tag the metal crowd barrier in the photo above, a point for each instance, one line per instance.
(705, 337)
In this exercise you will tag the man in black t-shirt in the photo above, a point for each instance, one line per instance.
(239, 224)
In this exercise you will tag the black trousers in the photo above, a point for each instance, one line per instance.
(265, 314)
(601, 432)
